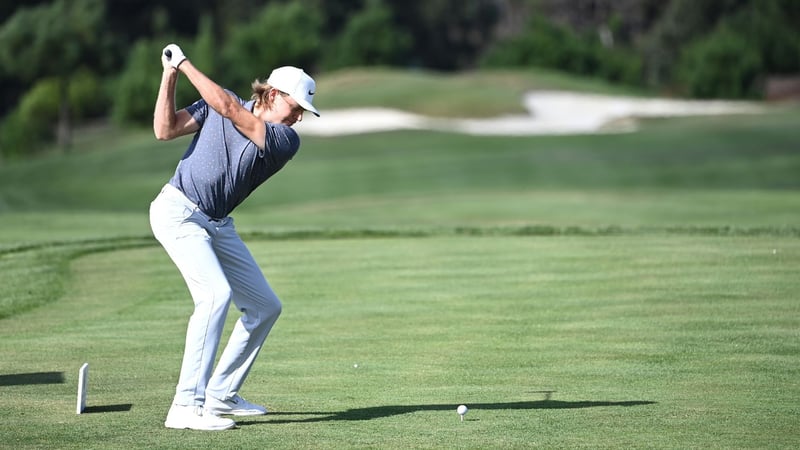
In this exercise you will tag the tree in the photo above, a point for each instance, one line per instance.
(281, 34)
(682, 22)
(713, 48)
(448, 34)
(722, 64)
(53, 40)
(624, 20)
(370, 38)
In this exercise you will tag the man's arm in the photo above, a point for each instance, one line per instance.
(222, 102)
(168, 123)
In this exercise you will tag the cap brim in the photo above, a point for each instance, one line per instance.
(307, 106)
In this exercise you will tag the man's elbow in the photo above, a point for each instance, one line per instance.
(162, 135)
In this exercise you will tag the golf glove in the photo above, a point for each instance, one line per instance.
(173, 55)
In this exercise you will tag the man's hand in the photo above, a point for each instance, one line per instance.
(172, 56)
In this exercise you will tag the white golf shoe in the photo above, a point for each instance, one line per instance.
(196, 418)
(235, 405)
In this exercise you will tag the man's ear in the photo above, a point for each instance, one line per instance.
(271, 94)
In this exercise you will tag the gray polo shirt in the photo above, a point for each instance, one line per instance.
(222, 166)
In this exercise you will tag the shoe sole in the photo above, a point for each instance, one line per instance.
(179, 426)
(237, 413)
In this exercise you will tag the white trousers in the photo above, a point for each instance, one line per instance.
(217, 268)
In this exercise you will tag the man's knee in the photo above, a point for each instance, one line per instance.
(273, 306)
(212, 297)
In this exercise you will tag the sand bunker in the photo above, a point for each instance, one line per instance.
(549, 112)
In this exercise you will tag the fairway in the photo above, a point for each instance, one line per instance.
(561, 341)
(599, 291)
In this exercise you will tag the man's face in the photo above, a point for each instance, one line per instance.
(286, 110)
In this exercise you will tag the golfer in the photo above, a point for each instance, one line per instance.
(237, 145)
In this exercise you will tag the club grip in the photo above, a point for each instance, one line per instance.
(168, 53)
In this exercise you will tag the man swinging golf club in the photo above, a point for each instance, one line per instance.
(237, 145)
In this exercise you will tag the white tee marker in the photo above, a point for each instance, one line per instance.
(83, 385)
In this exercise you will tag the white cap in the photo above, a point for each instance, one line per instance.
(297, 84)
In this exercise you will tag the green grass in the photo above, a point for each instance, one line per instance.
(706, 171)
(613, 291)
(616, 341)
(485, 93)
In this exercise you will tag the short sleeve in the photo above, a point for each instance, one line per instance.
(199, 111)
(282, 142)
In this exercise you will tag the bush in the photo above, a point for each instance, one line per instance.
(88, 97)
(620, 66)
(135, 90)
(204, 48)
(33, 121)
(19, 136)
(137, 86)
(701, 31)
(41, 103)
(723, 64)
(771, 27)
(548, 45)
(542, 44)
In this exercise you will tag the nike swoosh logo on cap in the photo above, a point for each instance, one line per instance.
(310, 93)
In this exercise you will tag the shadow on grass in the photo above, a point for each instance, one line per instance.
(377, 412)
(125, 407)
(20, 379)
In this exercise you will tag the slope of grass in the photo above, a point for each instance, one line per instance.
(734, 154)
(485, 93)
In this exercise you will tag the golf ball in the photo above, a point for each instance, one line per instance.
(462, 409)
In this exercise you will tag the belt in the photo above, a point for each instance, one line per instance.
(173, 192)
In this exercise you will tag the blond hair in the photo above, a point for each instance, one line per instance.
(261, 92)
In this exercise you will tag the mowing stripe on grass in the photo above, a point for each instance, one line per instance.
(635, 341)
